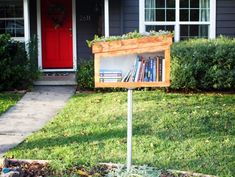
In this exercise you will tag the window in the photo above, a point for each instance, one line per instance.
(11, 17)
(187, 18)
(159, 10)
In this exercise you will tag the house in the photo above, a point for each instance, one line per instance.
(63, 26)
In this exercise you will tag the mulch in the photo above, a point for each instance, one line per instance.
(40, 168)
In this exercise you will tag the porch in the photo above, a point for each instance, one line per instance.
(62, 28)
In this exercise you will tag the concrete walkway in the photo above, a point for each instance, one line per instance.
(31, 113)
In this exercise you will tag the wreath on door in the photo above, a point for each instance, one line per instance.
(56, 13)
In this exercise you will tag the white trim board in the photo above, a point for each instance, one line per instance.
(106, 18)
(26, 23)
(39, 34)
(177, 22)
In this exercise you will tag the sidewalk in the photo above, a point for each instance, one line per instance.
(31, 113)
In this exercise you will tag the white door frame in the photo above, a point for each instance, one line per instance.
(39, 34)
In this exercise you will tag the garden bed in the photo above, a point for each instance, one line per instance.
(36, 168)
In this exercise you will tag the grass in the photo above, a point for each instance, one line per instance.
(192, 132)
(8, 100)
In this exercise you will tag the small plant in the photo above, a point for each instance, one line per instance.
(141, 171)
(131, 35)
(85, 74)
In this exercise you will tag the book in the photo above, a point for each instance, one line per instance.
(163, 69)
(110, 75)
(146, 71)
(137, 71)
(154, 70)
(160, 69)
(151, 70)
(110, 71)
(110, 80)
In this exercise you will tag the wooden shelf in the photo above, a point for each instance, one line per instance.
(121, 49)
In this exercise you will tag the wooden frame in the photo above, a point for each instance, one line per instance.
(137, 46)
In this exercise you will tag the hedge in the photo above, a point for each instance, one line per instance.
(17, 70)
(202, 64)
(197, 64)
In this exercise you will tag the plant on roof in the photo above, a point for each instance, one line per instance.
(131, 35)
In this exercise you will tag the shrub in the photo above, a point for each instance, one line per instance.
(85, 74)
(203, 64)
(16, 68)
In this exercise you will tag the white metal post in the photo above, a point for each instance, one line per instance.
(129, 129)
(106, 18)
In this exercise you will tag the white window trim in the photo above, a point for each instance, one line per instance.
(177, 23)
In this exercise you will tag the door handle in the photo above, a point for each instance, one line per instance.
(70, 29)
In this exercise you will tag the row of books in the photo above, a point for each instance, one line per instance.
(146, 70)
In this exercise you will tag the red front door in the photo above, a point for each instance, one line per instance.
(57, 52)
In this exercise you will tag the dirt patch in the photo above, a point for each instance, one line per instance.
(37, 168)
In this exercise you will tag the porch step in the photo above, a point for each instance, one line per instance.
(57, 79)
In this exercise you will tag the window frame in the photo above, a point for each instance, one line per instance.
(211, 23)
(20, 39)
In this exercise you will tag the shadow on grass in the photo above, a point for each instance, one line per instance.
(79, 139)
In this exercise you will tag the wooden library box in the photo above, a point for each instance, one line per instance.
(132, 63)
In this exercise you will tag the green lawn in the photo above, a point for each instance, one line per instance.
(7, 100)
(193, 132)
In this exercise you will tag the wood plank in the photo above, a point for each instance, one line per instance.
(137, 51)
(131, 84)
(167, 65)
(97, 68)
(129, 44)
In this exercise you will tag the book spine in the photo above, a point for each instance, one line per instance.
(154, 70)
(146, 72)
(140, 71)
(151, 70)
(160, 69)
(163, 70)
(110, 71)
(110, 80)
(137, 71)
(143, 71)
(111, 75)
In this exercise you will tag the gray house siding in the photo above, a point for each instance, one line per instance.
(86, 29)
(130, 15)
(33, 17)
(116, 16)
(225, 18)
(123, 18)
